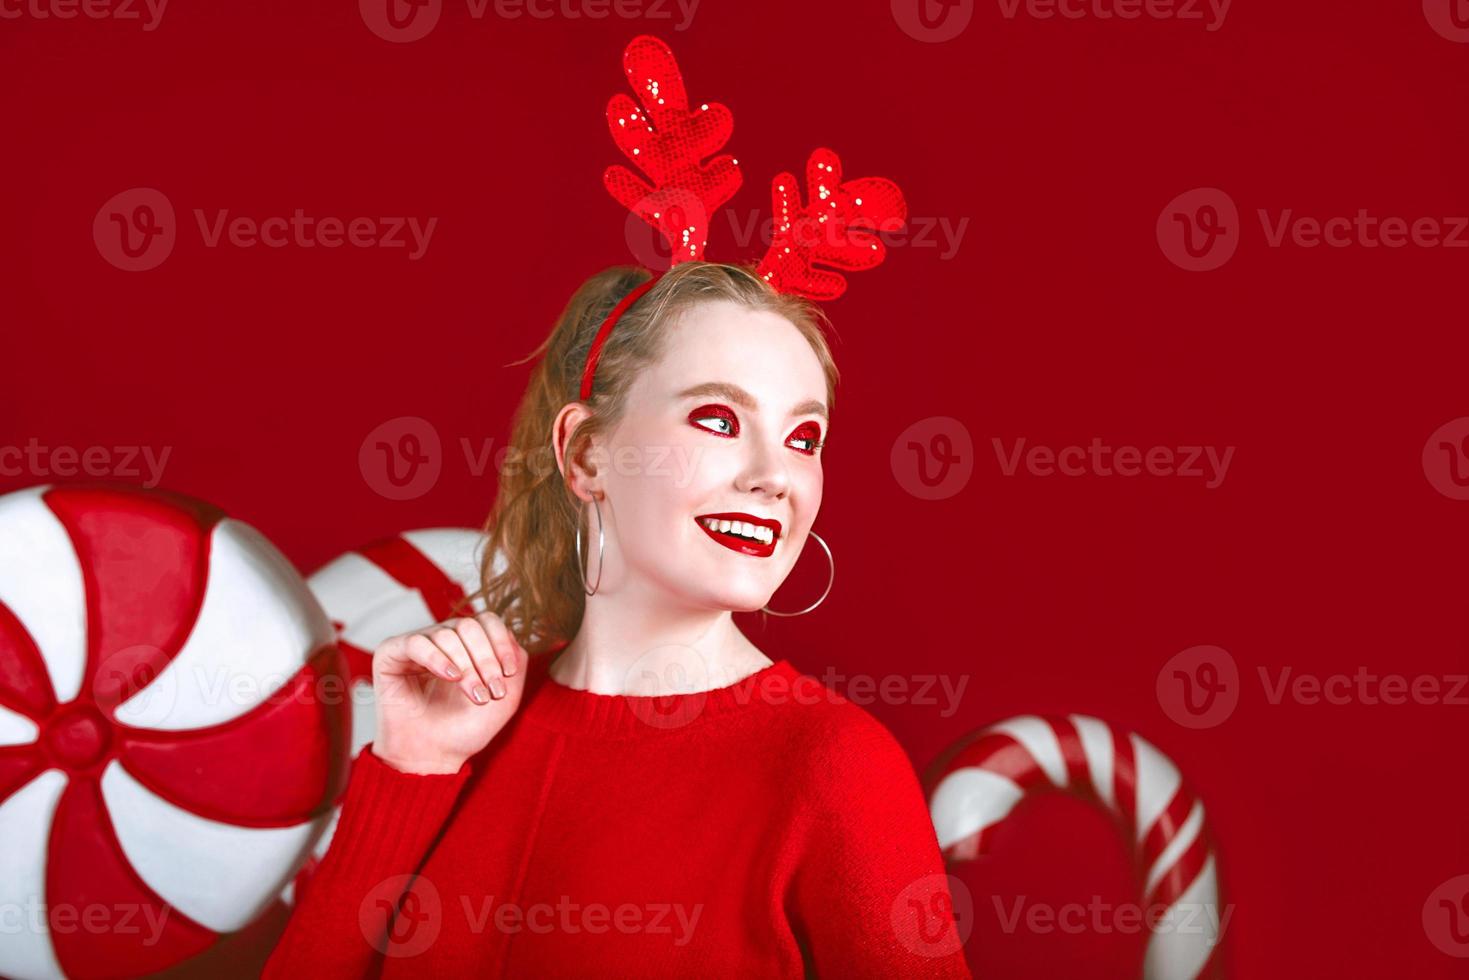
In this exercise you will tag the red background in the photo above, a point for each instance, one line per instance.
(1058, 320)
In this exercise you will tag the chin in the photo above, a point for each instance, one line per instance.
(751, 605)
(739, 600)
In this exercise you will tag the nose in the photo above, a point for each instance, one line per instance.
(764, 471)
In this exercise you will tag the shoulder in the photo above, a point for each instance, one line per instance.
(857, 805)
(835, 745)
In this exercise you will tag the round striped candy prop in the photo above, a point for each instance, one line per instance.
(391, 586)
(167, 754)
(976, 783)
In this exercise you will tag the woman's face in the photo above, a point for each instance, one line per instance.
(726, 426)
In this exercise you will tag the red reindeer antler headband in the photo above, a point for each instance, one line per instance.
(667, 139)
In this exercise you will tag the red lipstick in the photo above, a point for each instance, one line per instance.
(734, 541)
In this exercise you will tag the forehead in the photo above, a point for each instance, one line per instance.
(758, 350)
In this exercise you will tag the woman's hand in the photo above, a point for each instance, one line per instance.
(445, 691)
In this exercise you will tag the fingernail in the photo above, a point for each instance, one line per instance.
(510, 671)
(498, 686)
(452, 672)
(481, 696)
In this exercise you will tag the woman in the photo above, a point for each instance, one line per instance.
(653, 796)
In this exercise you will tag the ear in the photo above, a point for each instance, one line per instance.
(576, 468)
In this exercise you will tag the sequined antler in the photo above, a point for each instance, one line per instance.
(835, 229)
(667, 141)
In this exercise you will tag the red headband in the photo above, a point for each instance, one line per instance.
(668, 141)
(595, 354)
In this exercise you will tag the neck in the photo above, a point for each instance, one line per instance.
(646, 649)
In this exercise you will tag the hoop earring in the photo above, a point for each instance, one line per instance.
(830, 579)
(601, 549)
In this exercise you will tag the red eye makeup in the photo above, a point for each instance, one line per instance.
(717, 419)
(722, 421)
(810, 433)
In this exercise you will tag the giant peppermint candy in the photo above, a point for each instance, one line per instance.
(173, 728)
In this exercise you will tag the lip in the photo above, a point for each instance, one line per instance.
(754, 549)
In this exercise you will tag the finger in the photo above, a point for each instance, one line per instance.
(426, 656)
(469, 680)
(482, 652)
(479, 681)
(506, 648)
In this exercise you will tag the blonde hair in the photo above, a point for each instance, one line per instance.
(538, 590)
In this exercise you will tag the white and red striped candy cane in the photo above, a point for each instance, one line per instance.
(976, 783)
(393, 585)
(396, 584)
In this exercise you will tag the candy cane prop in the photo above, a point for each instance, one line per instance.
(393, 585)
(976, 783)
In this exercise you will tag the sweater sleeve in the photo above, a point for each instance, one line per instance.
(388, 822)
(871, 895)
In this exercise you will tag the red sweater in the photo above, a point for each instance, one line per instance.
(765, 829)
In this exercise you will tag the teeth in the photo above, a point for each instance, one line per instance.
(744, 529)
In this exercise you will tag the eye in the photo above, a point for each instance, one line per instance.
(717, 419)
(809, 433)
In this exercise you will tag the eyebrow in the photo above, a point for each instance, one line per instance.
(744, 399)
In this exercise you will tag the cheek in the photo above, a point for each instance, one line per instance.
(808, 486)
(662, 493)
